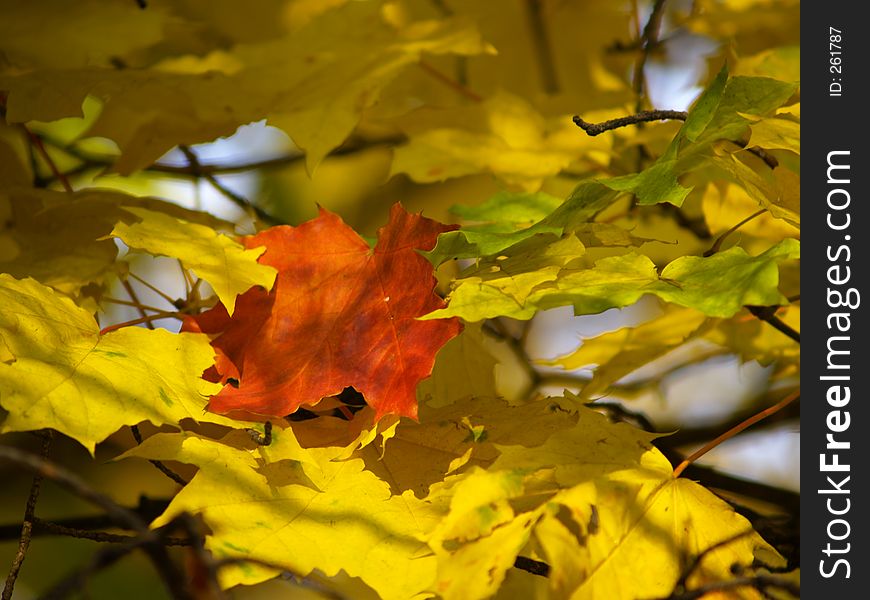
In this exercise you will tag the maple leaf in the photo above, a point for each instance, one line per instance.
(340, 314)
(601, 502)
(216, 258)
(300, 508)
(58, 371)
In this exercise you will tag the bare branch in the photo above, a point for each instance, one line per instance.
(645, 116)
(450, 82)
(36, 142)
(767, 314)
(649, 39)
(760, 582)
(240, 201)
(543, 50)
(159, 465)
(535, 567)
(27, 525)
(148, 540)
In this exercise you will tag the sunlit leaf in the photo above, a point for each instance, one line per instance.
(302, 510)
(68, 377)
(618, 353)
(340, 314)
(222, 262)
(718, 285)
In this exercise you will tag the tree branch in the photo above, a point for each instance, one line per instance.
(237, 199)
(148, 540)
(137, 435)
(543, 50)
(760, 582)
(49, 528)
(147, 510)
(27, 525)
(649, 39)
(644, 116)
(767, 314)
(529, 565)
(461, 89)
(36, 142)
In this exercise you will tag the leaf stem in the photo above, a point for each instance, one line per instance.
(717, 245)
(148, 319)
(735, 430)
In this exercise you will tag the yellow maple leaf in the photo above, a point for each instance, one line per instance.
(64, 375)
(225, 264)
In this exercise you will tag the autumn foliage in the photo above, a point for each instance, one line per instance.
(340, 314)
(298, 255)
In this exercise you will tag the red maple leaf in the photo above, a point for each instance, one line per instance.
(340, 314)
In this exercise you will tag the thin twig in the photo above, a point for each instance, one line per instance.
(27, 525)
(153, 288)
(717, 245)
(767, 314)
(36, 142)
(49, 528)
(128, 303)
(529, 565)
(158, 464)
(680, 587)
(148, 509)
(240, 201)
(649, 40)
(148, 540)
(700, 434)
(760, 582)
(644, 116)
(735, 430)
(73, 484)
(450, 82)
(516, 346)
(156, 317)
(94, 161)
(769, 159)
(543, 50)
(135, 302)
